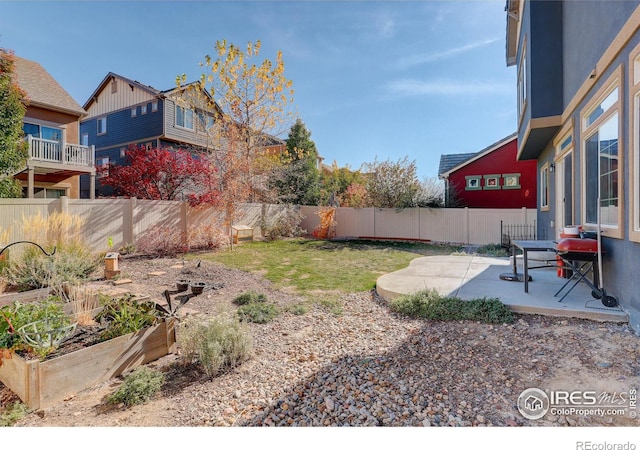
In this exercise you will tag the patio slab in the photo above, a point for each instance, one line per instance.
(471, 276)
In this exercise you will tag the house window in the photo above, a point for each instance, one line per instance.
(184, 117)
(154, 106)
(42, 131)
(205, 122)
(84, 139)
(134, 111)
(114, 86)
(602, 178)
(522, 81)
(144, 109)
(102, 125)
(634, 131)
(491, 182)
(473, 183)
(544, 187)
(601, 167)
(103, 167)
(511, 181)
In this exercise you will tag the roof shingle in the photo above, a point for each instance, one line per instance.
(42, 89)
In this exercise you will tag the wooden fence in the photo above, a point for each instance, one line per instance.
(124, 221)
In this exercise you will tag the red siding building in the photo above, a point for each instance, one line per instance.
(490, 178)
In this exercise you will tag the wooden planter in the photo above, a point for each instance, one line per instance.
(42, 383)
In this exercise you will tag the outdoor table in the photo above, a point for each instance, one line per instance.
(526, 247)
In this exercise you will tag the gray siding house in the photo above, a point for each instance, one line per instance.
(123, 112)
(578, 98)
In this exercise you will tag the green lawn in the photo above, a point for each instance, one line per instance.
(324, 268)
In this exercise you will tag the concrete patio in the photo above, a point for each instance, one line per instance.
(472, 276)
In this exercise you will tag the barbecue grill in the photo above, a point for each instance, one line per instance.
(581, 257)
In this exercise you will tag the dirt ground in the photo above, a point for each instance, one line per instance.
(480, 368)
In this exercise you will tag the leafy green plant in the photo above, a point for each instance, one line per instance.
(258, 312)
(429, 304)
(493, 250)
(12, 413)
(221, 343)
(250, 297)
(299, 309)
(125, 315)
(138, 387)
(16, 316)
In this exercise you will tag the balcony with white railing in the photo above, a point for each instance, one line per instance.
(56, 152)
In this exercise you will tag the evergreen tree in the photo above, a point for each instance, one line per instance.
(296, 180)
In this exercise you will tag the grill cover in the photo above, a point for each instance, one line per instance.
(577, 245)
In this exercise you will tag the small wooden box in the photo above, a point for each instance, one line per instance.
(241, 233)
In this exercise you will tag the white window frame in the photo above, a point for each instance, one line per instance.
(634, 152)
(185, 113)
(143, 109)
(101, 124)
(134, 111)
(154, 106)
(589, 127)
(545, 175)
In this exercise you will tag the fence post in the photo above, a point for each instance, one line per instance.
(466, 225)
(129, 226)
(184, 225)
(64, 204)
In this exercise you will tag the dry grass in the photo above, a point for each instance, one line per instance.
(83, 301)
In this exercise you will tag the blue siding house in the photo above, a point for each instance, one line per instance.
(578, 99)
(122, 112)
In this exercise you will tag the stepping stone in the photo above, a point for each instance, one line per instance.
(123, 281)
(178, 266)
(156, 274)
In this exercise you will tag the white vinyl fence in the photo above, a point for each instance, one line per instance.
(453, 225)
(123, 221)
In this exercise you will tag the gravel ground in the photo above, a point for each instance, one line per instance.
(365, 366)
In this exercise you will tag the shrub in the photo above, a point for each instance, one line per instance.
(71, 264)
(12, 413)
(218, 344)
(250, 297)
(161, 241)
(138, 387)
(429, 304)
(258, 312)
(207, 237)
(493, 250)
(285, 226)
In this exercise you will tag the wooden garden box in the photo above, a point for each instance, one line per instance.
(40, 384)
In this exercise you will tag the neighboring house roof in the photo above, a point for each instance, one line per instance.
(43, 90)
(451, 163)
(133, 83)
(110, 76)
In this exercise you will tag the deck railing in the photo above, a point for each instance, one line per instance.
(47, 150)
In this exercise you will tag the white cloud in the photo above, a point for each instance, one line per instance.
(436, 56)
(413, 87)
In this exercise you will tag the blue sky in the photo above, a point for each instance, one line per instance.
(372, 79)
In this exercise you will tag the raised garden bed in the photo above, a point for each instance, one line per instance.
(42, 383)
